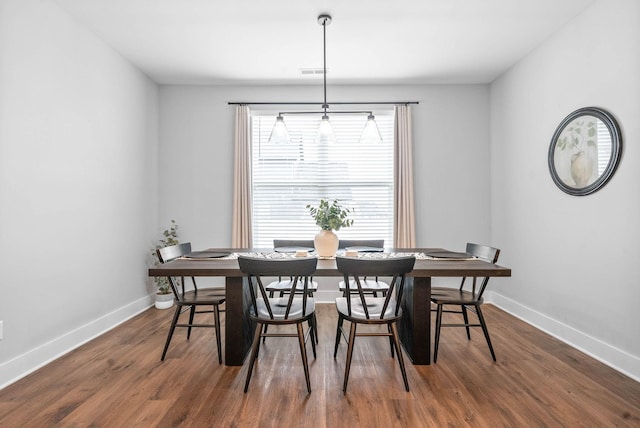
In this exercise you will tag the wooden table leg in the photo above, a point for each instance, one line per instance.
(415, 326)
(239, 329)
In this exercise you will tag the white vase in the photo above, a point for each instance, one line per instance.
(582, 168)
(326, 243)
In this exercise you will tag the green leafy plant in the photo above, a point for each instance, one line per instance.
(169, 237)
(330, 216)
(577, 134)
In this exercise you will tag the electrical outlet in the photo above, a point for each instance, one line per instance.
(1, 330)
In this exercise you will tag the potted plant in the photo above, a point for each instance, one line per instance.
(164, 294)
(330, 218)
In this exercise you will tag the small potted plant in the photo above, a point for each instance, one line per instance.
(164, 294)
(330, 218)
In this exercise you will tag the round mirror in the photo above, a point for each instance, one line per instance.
(585, 151)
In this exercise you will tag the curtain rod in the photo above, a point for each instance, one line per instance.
(320, 103)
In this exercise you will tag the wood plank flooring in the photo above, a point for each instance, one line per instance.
(118, 380)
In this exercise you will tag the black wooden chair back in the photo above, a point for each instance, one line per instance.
(354, 269)
(257, 268)
(373, 243)
(173, 252)
(170, 253)
(482, 252)
(302, 243)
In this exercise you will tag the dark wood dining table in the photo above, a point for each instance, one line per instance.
(414, 329)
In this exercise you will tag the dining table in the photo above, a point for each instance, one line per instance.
(414, 327)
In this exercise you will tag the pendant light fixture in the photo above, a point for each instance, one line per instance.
(279, 133)
(371, 132)
(325, 135)
(325, 132)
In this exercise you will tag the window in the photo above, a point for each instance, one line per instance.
(603, 141)
(288, 177)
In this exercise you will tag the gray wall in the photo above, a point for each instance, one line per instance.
(451, 138)
(574, 259)
(78, 195)
(451, 152)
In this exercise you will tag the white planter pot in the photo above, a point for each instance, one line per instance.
(164, 301)
(326, 243)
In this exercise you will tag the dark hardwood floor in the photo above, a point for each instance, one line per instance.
(118, 380)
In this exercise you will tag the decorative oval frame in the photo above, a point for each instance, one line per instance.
(616, 151)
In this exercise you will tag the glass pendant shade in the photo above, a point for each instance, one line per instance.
(279, 133)
(371, 132)
(325, 132)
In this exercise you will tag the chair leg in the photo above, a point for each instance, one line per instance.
(264, 338)
(216, 314)
(303, 353)
(465, 316)
(338, 331)
(438, 326)
(254, 355)
(396, 342)
(176, 315)
(485, 331)
(313, 324)
(390, 338)
(258, 349)
(313, 337)
(192, 312)
(352, 338)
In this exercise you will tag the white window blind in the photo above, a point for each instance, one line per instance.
(288, 177)
(604, 146)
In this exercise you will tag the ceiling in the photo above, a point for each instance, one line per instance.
(368, 42)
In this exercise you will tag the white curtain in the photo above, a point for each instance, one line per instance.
(404, 221)
(242, 208)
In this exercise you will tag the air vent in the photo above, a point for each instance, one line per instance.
(312, 71)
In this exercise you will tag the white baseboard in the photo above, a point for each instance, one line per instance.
(326, 296)
(30, 361)
(613, 357)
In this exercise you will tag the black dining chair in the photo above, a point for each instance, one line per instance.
(463, 301)
(191, 300)
(373, 285)
(282, 285)
(293, 309)
(360, 308)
